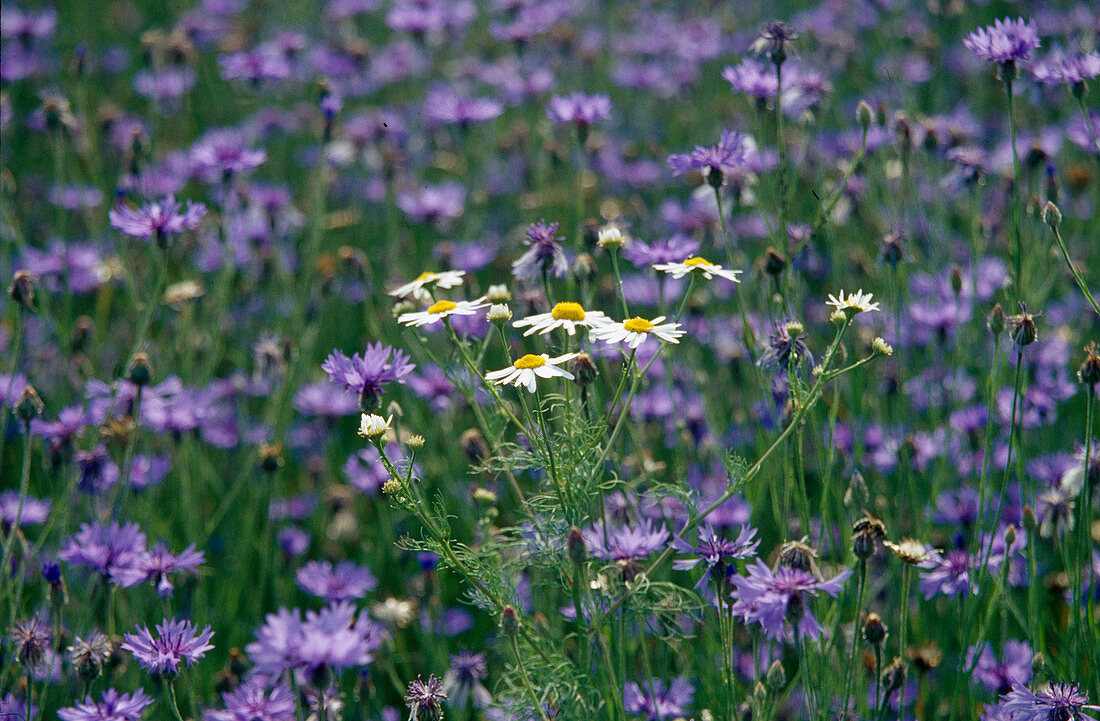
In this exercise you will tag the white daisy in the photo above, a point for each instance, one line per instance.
(524, 371)
(858, 302)
(440, 310)
(566, 315)
(695, 264)
(372, 425)
(417, 287)
(633, 332)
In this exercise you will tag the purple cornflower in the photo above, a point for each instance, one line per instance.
(158, 220)
(344, 582)
(786, 340)
(1000, 676)
(715, 161)
(223, 153)
(334, 638)
(177, 641)
(265, 62)
(1059, 69)
(367, 375)
(32, 640)
(1056, 702)
(715, 551)
(626, 543)
(778, 600)
(114, 706)
(254, 701)
(1005, 41)
(437, 204)
(318, 399)
(673, 249)
(425, 699)
(161, 563)
(949, 574)
(435, 387)
(658, 699)
(753, 78)
(544, 255)
(579, 109)
(447, 107)
(166, 85)
(33, 512)
(114, 550)
(463, 679)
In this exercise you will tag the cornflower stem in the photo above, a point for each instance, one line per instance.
(1073, 269)
(906, 580)
(1017, 233)
(527, 680)
(1088, 124)
(811, 400)
(161, 263)
(782, 169)
(746, 329)
(170, 686)
(988, 454)
(827, 208)
(17, 344)
(1008, 459)
(855, 639)
(131, 442)
(804, 672)
(1084, 524)
(622, 416)
(24, 487)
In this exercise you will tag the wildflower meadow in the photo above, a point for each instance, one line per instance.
(549, 360)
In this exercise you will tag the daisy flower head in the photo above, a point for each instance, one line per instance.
(441, 309)
(854, 304)
(418, 286)
(526, 369)
(635, 331)
(567, 315)
(695, 264)
(373, 426)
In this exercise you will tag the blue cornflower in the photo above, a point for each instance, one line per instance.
(368, 375)
(544, 255)
(176, 642)
(159, 219)
(463, 681)
(253, 700)
(579, 109)
(114, 551)
(1056, 702)
(715, 161)
(658, 699)
(715, 551)
(1005, 41)
(343, 582)
(113, 706)
(949, 574)
(778, 600)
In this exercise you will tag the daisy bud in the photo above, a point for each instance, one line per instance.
(881, 347)
(140, 370)
(404, 306)
(1089, 372)
(509, 621)
(610, 237)
(392, 487)
(576, 547)
(873, 630)
(21, 289)
(864, 115)
(838, 317)
(499, 313)
(996, 322)
(415, 442)
(29, 406)
(776, 677)
(498, 294)
(484, 496)
(373, 426)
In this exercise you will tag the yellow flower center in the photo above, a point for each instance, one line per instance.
(426, 275)
(638, 325)
(695, 261)
(529, 361)
(442, 307)
(567, 311)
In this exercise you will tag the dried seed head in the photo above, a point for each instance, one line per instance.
(873, 629)
(140, 370)
(866, 533)
(21, 289)
(29, 406)
(1089, 372)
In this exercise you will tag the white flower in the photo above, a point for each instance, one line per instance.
(858, 302)
(416, 288)
(610, 237)
(564, 315)
(440, 310)
(695, 264)
(633, 332)
(372, 425)
(524, 371)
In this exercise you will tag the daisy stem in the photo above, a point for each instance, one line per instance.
(549, 450)
(622, 416)
(746, 329)
(527, 680)
(619, 281)
(906, 580)
(855, 640)
(477, 372)
(686, 298)
(622, 382)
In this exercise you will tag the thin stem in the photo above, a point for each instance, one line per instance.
(855, 641)
(527, 681)
(171, 687)
(1017, 233)
(24, 487)
(17, 343)
(1073, 269)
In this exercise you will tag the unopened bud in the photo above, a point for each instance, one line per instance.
(576, 547)
(499, 313)
(864, 115)
(583, 369)
(874, 629)
(893, 676)
(996, 322)
(498, 294)
(956, 280)
(271, 457)
(21, 289)
(29, 406)
(509, 621)
(415, 442)
(776, 677)
(610, 237)
(1089, 372)
(881, 347)
(774, 263)
(140, 370)
(1051, 215)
